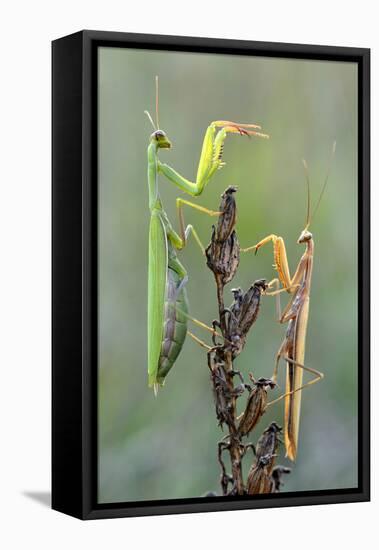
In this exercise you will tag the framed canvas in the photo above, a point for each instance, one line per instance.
(190, 371)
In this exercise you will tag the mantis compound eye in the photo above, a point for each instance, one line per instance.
(159, 134)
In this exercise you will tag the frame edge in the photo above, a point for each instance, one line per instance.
(67, 462)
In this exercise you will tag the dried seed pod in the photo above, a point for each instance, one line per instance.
(227, 220)
(235, 310)
(243, 314)
(259, 480)
(276, 477)
(221, 396)
(223, 257)
(256, 405)
(223, 252)
(250, 305)
(268, 444)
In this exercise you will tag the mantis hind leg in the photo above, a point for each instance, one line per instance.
(199, 341)
(179, 241)
(200, 324)
(318, 376)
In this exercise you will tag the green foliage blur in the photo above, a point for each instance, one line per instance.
(165, 447)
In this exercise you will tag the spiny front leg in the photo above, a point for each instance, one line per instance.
(280, 259)
(217, 145)
(211, 155)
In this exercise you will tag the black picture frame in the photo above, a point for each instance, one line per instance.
(74, 272)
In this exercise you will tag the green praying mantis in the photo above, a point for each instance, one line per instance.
(167, 277)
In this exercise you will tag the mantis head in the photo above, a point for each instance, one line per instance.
(305, 236)
(160, 139)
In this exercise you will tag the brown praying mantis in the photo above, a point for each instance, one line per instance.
(296, 313)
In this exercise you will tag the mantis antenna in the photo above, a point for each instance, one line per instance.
(326, 179)
(151, 120)
(308, 221)
(156, 125)
(157, 101)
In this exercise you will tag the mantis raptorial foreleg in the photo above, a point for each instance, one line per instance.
(211, 155)
(281, 262)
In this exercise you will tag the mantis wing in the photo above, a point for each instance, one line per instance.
(156, 292)
(294, 381)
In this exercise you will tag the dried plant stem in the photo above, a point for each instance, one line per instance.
(234, 446)
(234, 323)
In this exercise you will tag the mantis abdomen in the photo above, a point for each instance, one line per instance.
(175, 323)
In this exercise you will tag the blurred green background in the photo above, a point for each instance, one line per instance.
(165, 447)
